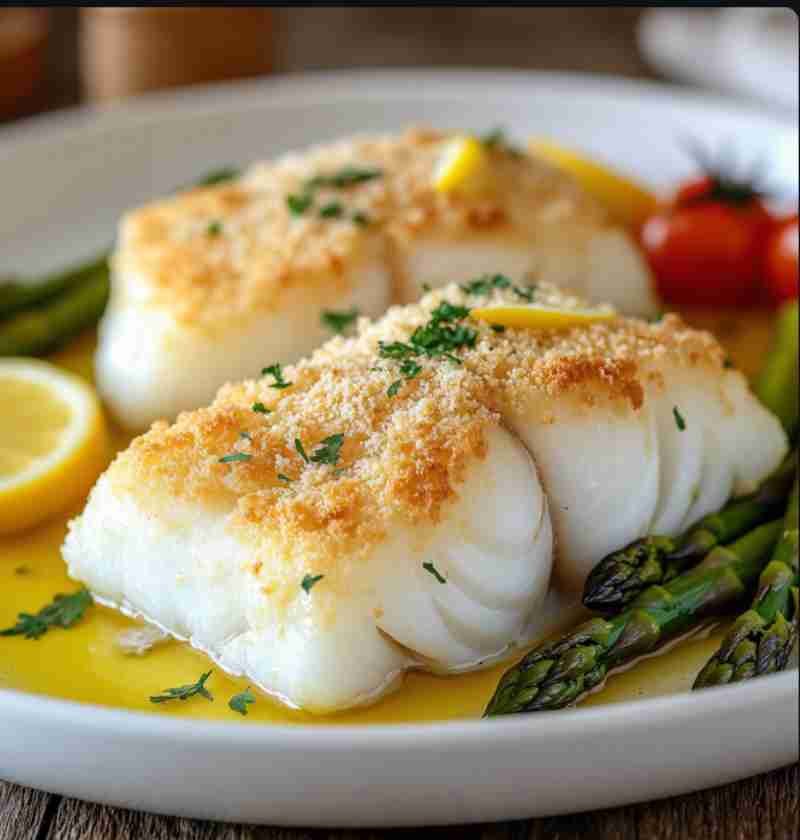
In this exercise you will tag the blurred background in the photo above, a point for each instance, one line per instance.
(52, 58)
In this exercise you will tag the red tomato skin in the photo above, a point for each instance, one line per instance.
(781, 260)
(707, 252)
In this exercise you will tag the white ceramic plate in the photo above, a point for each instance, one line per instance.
(66, 178)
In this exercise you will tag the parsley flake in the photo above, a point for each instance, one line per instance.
(298, 445)
(184, 692)
(298, 204)
(239, 702)
(332, 210)
(498, 328)
(328, 450)
(496, 139)
(392, 390)
(679, 421)
(64, 612)
(284, 478)
(245, 436)
(338, 321)
(485, 284)
(276, 372)
(214, 228)
(236, 456)
(431, 569)
(309, 581)
(219, 176)
(360, 218)
(347, 176)
(260, 408)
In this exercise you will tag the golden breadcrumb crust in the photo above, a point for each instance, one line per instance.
(224, 254)
(403, 457)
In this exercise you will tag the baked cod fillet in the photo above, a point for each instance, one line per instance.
(396, 508)
(209, 283)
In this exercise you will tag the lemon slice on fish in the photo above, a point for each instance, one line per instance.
(462, 165)
(53, 442)
(536, 316)
(625, 199)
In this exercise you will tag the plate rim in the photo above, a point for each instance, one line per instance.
(79, 120)
(219, 96)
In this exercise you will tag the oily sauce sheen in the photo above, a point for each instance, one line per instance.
(85, 663)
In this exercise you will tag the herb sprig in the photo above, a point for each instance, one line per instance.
(184, 692)
(347, 176)
(276, 372)
(64, 611)
(327, 452)
(339, 321)
(487, 283)
(240, 702)
(310, 581)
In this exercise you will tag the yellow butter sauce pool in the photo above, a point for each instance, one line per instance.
(86, 664)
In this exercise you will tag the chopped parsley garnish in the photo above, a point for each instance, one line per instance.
(498, 328)
(298, 204)
(326, 453)
(284, 478)
(360, 218)
(219, 176)
(184, 692)
(487, 283)
(332, 210)
(328, 450)
(309, 581)
(245, 435)
(439, 338)
(347, 176)
(392, 390)
(64, 612)
(239, 702)
(496, 139)
(338, 321)
(431, 569)
(236, 456)
(276, 372)
(727, 363)
(260, 408)
(679, 421)
(214, 229)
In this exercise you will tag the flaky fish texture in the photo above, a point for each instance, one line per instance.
(208, 284)
(323, 537)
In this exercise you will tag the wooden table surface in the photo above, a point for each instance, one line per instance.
(589, 39)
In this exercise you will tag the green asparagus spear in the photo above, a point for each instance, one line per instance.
(556, 674)
(17, 296)
(622, 575)
(761, 640)
(48, 327)
(777, 386)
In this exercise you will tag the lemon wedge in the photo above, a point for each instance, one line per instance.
(462, 165)
(53, 442)
(628, 201)
(535, 316)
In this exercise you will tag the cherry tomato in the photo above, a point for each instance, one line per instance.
(706, 247)
(781, 260)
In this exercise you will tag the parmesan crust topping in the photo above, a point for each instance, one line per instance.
(403, 456)
(221, 254)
